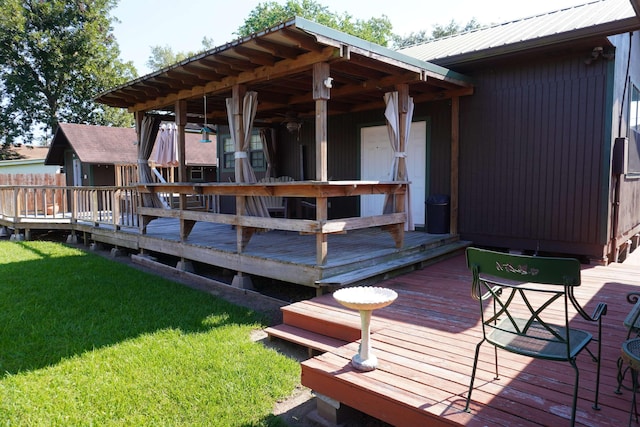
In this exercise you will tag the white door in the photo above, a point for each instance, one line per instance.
(77, 173)
(377, 157)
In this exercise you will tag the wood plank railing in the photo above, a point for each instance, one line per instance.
(246, 225)
(110, 206)
(120, 207)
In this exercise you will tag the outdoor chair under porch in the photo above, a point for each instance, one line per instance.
(518, 294)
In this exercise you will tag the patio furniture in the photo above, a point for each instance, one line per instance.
(630, 355)
(524, 291)
(632, 323)
(276, 205)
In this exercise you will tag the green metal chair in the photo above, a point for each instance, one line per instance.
(517, 293)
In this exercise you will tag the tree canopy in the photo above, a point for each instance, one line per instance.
(163, 56)
(437, 32)
(55, 56)
(267, 14)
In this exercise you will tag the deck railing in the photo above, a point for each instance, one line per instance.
(247, 224)
(25, 201)
(113, 206)
(119, 207)
(109, 206)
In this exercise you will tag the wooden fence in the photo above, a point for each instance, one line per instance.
(44, 195)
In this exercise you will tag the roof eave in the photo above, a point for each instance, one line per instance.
(636, 6)
(324, 35)
(600, 31)
(337, 38)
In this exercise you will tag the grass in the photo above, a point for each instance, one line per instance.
(88, 341)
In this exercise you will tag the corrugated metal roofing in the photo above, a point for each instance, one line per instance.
(603, 17)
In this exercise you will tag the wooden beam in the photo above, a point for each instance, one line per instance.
(322, 242)
(257, 75)
(181, 121)
(277, 49)
(321, 93)
(256, 56)
(243, 235)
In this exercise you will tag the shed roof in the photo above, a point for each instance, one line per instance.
(278, 64)
(595, 19)
(115, 145)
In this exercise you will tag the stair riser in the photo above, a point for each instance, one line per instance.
(336, 330)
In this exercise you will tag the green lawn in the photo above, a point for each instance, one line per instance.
(89, 341)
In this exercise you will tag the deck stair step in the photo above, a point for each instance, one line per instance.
(311, 340)
(327, 318)
(396, 264)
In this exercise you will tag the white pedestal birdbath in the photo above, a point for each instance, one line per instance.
(365, 299)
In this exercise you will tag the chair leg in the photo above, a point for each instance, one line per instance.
(473, 375)
(595, 402)
(574, 404)
(495, 355)
(634, 408)
(620, 376)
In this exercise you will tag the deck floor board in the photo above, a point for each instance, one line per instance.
(425, 343)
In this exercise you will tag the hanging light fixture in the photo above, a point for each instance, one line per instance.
(206, 130)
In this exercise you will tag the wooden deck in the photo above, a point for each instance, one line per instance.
(425, 343)
(359, 256)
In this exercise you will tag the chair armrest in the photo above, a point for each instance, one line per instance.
(633, 297)
(601, 310)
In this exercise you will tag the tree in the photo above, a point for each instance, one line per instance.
(438, 31)
(267, 14)
(163, 56)
(55, 57)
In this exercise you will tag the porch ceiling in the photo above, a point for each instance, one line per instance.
(278, 64)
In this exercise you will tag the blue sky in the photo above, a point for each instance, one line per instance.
(182, 25)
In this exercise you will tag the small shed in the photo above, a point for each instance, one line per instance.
(103, 156)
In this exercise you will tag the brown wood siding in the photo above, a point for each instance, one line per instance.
(530, 160)
(344, 150)
(439, 148)
(343, 154)
(629, 219)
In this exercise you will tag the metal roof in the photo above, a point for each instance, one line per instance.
(278, 63)
(595, 19)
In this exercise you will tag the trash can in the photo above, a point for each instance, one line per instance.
(438, 214)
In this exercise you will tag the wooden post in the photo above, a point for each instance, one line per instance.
(455, 154)
(181, 121)
(322, 242)
(238, 92)
(321, 93)
(403, 110)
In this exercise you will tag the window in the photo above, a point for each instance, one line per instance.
(634, 131)
(197, 173)
(256, 152)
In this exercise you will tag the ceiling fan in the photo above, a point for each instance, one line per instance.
(292, 122)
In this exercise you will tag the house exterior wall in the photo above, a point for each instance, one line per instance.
(532, 171)
(36, 166)
(102, 175)
(629, 189)
(296, 152)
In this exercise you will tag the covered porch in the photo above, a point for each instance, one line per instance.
(288, 83)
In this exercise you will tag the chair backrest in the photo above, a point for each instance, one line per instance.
(275, 202)
(526, 292)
